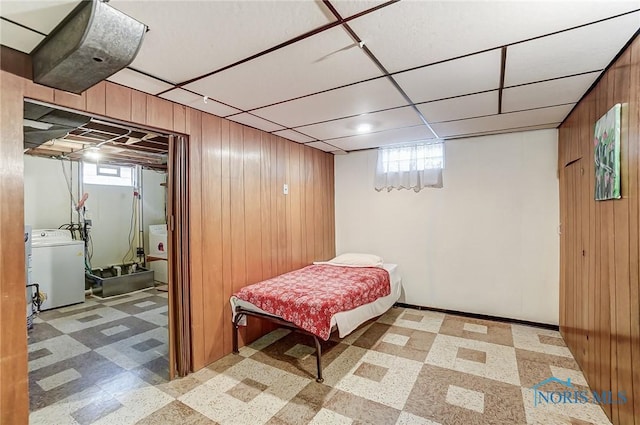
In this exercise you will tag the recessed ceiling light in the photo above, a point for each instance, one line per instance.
(363, 128)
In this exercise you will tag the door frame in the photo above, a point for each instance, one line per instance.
(178, 257)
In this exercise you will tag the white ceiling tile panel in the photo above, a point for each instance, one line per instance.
(349, 8)
(190, 38)
(294, 135)
(452, 78)
(197, 102)
(41, 16)
(382, 138)
(256, 122)
(516, 130)
(138, 81)
(547, 93)
(351, 100)
(324, 61)
(18, 38)
(378, 121)
(584, 49)
(474, 105)
(503, 121)
(323, 146)
(413, 33)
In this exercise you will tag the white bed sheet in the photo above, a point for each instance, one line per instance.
(346, 321)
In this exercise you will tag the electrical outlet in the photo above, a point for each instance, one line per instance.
(285, 189)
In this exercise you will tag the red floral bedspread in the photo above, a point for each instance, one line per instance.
(309, 297)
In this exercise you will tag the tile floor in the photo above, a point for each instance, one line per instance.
(408, 367)
(85, 355)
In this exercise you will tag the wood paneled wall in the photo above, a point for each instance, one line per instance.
(243, 228)
(250, 230)
(599, 285)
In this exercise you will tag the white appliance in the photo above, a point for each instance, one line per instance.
(57, 262)
(158, 240)
(27, 274)
(158, 252)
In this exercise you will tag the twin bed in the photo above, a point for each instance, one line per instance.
(340, 294)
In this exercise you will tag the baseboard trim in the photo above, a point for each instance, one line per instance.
(482, 316)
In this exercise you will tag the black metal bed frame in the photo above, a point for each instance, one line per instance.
(242, 312)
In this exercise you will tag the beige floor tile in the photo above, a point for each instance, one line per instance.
(500, 364)
(396, 377)
(477, 329)
(408, 367)
(422, 320)
(528, 338)
(433, 398)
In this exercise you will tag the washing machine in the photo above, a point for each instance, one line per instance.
(57, 265)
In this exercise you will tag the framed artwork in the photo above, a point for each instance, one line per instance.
(606, 142)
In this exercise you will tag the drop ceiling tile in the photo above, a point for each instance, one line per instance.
(355, 99)
(511, 130)
(385, 120)
(414, 33)
(197, 102)
(256, 122)
(511, 120)
(350, 8)
(470, 74)
(294, 135)
(547, 93)
(382, 138)
(584, 49)
(138, 81)
(41, 16)
(189, 39)
(18, 38)
(474, 105)
(324, 61)
(323, 146)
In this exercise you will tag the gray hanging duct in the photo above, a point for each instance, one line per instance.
(94, 42)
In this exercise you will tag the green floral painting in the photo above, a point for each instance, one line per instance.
(606, 142)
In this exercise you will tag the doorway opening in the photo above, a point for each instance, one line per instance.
(106, 245)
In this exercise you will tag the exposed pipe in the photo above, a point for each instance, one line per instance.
(140, 215)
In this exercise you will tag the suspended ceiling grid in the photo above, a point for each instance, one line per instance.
(318, 73)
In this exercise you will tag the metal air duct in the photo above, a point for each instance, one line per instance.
(94, 42)
(43, 123)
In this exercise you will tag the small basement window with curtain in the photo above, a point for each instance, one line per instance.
(109, 175)
(410, 166)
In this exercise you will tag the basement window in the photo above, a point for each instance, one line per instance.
(108, 175)
(413, 166)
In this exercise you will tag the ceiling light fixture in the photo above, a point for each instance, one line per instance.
(363, 128)
(92, 153)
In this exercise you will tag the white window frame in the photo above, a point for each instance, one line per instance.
(413, 166)
(124, 177)
(101, 170)
(402, 158)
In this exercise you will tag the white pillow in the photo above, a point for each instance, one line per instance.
(357, 260)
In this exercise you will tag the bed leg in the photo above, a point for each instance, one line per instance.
(235, 334)
(318, 359)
